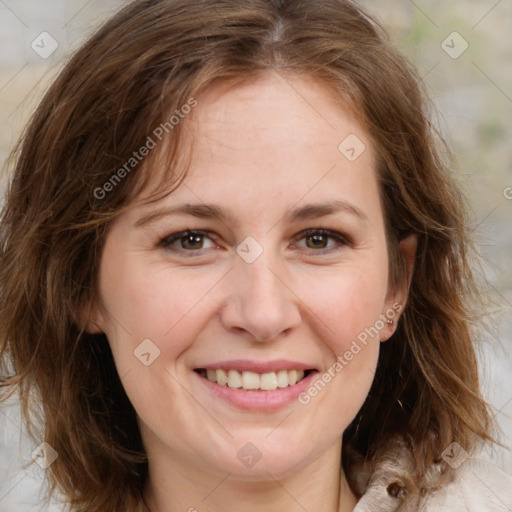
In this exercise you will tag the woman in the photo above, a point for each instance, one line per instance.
(235, 272)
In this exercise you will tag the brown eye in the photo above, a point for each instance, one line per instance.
(316, 241)
(188, 241)
(192, 242)
(321, 240)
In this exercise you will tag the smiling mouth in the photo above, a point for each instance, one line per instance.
(252, 381)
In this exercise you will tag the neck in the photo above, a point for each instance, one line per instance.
(177, 486)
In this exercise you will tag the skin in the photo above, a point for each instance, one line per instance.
(260, 150)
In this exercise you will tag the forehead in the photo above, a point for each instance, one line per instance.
(276, 137)
(274, 108)
(276, 128)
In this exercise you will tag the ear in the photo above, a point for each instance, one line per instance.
(90, 318)
(397, 298)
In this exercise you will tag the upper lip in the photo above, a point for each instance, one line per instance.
(245, 365)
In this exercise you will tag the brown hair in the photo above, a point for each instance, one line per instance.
(147, 61)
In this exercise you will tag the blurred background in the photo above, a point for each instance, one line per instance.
(463, 52)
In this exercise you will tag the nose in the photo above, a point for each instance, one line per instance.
(260, 302)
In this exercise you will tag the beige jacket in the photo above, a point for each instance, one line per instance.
(457, 484)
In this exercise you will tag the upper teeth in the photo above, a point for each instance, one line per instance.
(251, 380)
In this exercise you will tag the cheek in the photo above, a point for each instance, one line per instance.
(347, 301)
(346, 314)
(146, 300)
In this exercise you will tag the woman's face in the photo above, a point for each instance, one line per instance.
(258, 289)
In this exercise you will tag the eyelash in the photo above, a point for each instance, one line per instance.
(342, 241)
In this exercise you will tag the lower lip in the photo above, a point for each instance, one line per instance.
(259, 400)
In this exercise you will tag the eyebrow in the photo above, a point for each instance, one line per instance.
(211, 211)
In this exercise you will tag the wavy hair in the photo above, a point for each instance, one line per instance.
(148, 60)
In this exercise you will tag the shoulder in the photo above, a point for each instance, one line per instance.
(477, 485)
(469, 485)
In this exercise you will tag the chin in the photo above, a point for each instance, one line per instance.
(261, 459)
